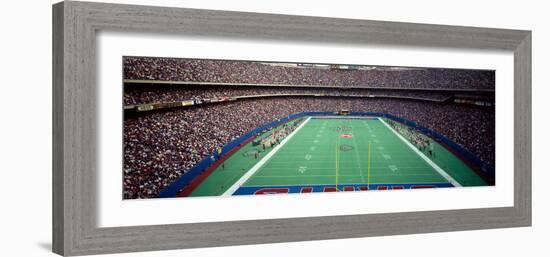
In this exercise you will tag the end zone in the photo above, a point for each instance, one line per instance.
(259, 190)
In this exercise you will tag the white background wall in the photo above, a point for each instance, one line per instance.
(25, 133)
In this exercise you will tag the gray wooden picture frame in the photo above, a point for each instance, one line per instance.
(75, 25)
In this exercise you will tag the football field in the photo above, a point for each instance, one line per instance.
(335, 153)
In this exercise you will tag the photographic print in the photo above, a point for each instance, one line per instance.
(216, 115)
(201, 127)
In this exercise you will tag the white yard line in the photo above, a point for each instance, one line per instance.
(424, 157)
(358, 159)
(350, 184)
(347, 167)
(381, 175)
(258, 165)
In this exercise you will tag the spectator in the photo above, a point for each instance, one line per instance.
(248, 72)
(161, 146)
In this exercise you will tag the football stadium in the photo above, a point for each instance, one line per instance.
(198, 127)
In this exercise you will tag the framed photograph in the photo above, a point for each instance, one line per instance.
(183, 128)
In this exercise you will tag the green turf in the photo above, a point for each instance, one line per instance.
(455, 167)
(233, 169)
(317, 154)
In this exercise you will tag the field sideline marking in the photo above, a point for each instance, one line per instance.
(424, 157)
(258, 165)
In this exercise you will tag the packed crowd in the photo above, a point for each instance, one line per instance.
(419, 140)
(161, 146)
(142, 94)
(248, 72)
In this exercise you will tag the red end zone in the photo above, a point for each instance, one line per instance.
(262, 190)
